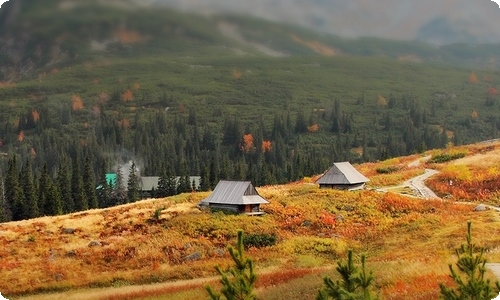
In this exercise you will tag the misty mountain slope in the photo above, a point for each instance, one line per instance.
(37, 37)
(455, 21)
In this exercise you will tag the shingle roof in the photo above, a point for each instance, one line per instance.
(342, 173)
(235, 192)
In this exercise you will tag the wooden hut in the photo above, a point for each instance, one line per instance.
(342, 176)
(235, 196)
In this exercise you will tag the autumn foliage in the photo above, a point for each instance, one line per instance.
(35, 115)
(20, 136)
(492, 91)
(313, 128)
(247, 145)
(266, 146)
(77, 103)
(381, 101)
(464, 183)
(127, 96)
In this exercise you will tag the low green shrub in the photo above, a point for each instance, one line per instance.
(259, 240)
(445, 157)
(387, 170)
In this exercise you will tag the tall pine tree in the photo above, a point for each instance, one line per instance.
(13, 191)
(77, 192)
(133, 184)
(30, 207)
(3, 203)
(43, 191)
(104, 188)
(64, 186)
(89, 184)
(119, 193)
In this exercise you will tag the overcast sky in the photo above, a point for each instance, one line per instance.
(449, 21)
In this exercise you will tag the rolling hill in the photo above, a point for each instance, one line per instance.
(409, 241)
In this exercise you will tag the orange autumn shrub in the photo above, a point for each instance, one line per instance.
(465, 183)
(425, 286)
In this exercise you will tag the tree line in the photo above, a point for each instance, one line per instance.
(64, 153)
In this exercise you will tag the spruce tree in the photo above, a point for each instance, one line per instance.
(119, 193)
(213, 174)
(64, 187)
(89, 184)
(13, 191)
(184, 184)
(30, 204)
(469, 279)
(103, 191)
(238, 281)
(55, 206)
(133, 184)
(354, 284)
(77, 192)
(4, 217)
(162, 186)
(48, 194)
(171, 184)
(204, 179)
(43, 191)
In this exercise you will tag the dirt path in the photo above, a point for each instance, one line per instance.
(417, 184)
(103, 293)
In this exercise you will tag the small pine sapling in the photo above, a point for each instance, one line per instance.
(355, 283)
(469, 279)
(240, 285)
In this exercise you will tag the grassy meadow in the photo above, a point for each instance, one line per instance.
(167, 248)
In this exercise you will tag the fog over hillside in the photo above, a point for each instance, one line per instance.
(435, 21)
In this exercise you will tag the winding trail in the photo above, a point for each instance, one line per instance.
(418, 185)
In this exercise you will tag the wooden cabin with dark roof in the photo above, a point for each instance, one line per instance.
(342, 176)
(235, 196)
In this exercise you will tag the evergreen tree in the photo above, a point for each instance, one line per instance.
(13, 191)
(204, 179)
(64, 187)
(133, 184)
(77, 192)
(336, 117)
(89, 184)
(300, 123)
(470, 280)
(171, 183)
(161, 192)
(4, 216)
(104, 188)
(213, 174)
(243, 278)
(43, 193)
(354, 284)
(184, 182)
(30, 207)
(119, 194)
(55, 206)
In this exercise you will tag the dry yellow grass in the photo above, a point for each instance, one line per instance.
(486, 159)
